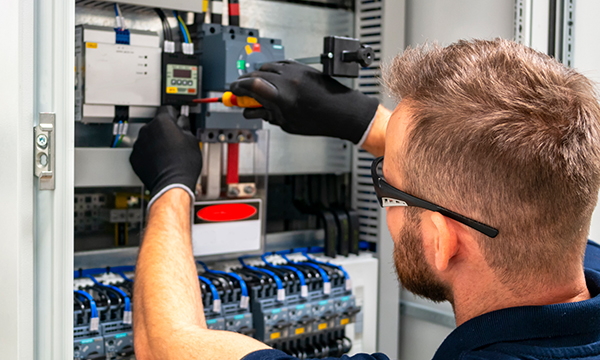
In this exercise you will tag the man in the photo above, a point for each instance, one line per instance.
(495, 149)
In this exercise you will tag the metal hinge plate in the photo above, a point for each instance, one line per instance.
(43, 161)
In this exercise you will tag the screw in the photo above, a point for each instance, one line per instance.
(222, 137)
(234, 191)
(330, 55)
(241, 138)
(42, 141)
(248, 189)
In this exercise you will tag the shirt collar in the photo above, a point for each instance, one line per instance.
(526, 322)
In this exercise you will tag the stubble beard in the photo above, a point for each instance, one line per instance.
(412, 269)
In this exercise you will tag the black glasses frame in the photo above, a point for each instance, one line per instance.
(388, 196)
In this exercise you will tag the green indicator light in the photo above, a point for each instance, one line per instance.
(241, 64)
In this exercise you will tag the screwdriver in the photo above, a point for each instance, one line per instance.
(229, 100)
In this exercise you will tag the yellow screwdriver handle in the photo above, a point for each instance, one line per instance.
(240, 101)
(247, 102)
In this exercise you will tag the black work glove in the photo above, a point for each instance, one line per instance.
(166, 157)
(304, 101)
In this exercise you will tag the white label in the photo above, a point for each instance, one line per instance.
(244, 302)
(125, 128)
(304, 291)
(115, 129)
(327, 288)
(169, 46)
(187, 48)
(280, 294)
(217, 306)
(127, 318)
(348, 284)
(94, 324)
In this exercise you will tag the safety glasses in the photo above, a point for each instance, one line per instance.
(388, 196)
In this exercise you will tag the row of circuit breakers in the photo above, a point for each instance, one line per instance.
(290, 301)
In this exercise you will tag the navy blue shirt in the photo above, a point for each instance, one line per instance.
(550, 332)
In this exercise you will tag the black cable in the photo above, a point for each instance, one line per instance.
(168, 35)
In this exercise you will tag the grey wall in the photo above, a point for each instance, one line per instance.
(447, 21)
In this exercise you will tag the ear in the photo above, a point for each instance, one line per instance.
(445, 240)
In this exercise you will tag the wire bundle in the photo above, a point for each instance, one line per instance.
(184, 30)
(215, 294)
(245, 299)
(280, 289)
(167, 34)
(303, 286)
(119, 131)
(119, 16)
(127, 316)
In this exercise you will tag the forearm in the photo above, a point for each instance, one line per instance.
(375, 140)
(167, 292)
(168, 314)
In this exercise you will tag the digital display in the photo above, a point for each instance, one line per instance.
(182, 73)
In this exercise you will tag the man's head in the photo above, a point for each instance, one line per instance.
(501, 134)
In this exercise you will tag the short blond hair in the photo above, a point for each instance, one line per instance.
(507, 136)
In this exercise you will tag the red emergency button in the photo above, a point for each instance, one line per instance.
(256, 47)
(192, 91)
(226, 212)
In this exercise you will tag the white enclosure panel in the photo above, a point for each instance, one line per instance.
(447, 21)
(16, 180)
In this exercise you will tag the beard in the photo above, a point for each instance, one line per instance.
(414, 273)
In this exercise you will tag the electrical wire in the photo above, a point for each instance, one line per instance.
(120, 18)
(303, 286)
(94, 319)
(167, 34)
(127, 316)
(324, 276)
(215, 294)
(280, 289)
(184, 30)
(245, 299)
(348, 282)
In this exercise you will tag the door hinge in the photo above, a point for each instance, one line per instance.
(44, 151)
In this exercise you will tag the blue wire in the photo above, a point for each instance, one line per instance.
(232, 274)
(316, 267)
(117, 137)
(94, 309)
(339, 267)
(298, 272)
(213, 288)
(121, 292)
(185, 38)
(268, 272)
(116, 10)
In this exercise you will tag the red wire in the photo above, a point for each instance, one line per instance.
(207, 100)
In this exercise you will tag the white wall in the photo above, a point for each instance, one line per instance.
(445, 22)
(587, 60)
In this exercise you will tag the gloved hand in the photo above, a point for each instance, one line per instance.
(304, 101)
(166, 157)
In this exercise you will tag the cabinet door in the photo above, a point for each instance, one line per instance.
(53, 61)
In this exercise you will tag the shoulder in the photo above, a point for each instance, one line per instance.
(592, 256)
(272, 354)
